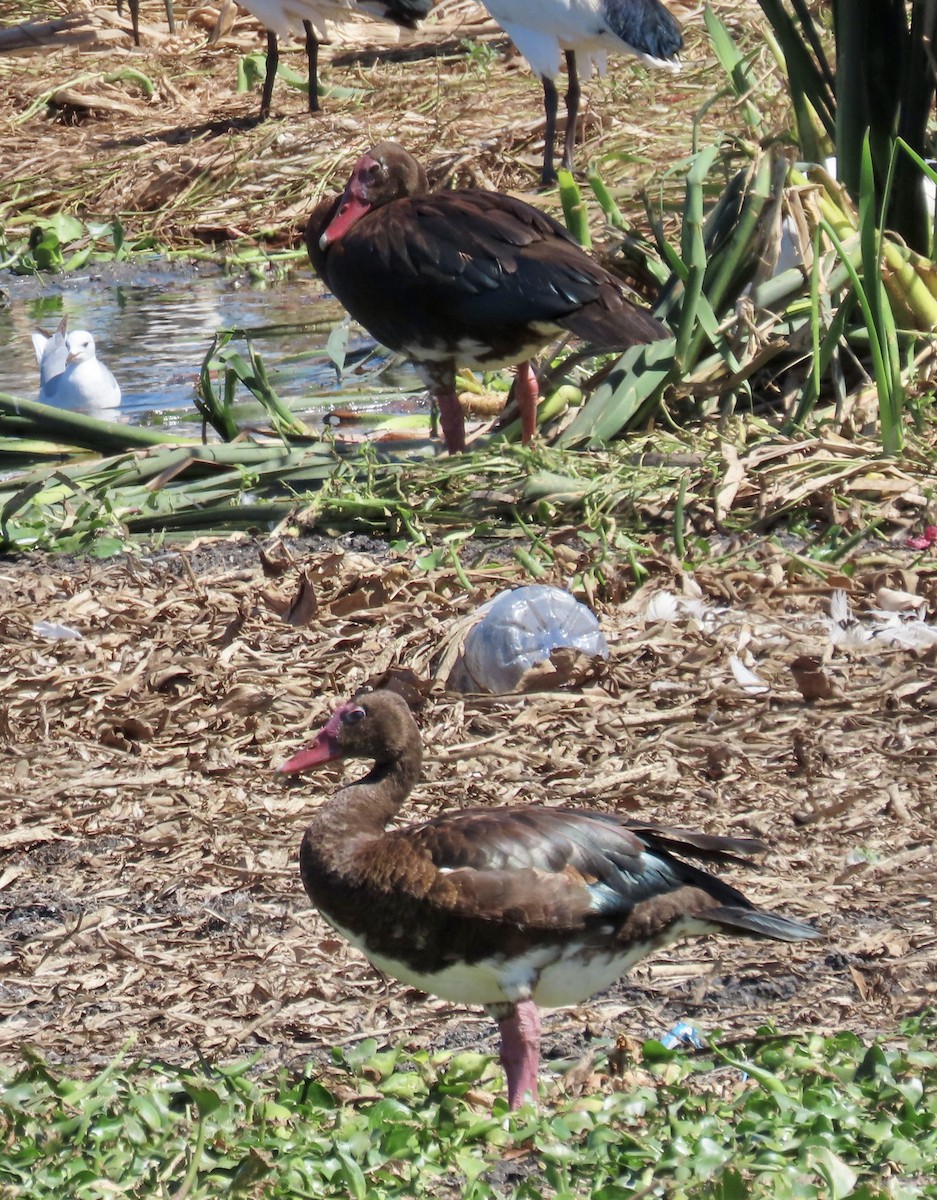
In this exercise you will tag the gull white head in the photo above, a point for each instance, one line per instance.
(85, 382)
(79, 345)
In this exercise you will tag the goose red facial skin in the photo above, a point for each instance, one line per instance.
(354, 203)
(323, 748)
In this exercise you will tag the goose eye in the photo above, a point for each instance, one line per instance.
(353, 716)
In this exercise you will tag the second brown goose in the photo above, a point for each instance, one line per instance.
(469, 277)
(508, 908)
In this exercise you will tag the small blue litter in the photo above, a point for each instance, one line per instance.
(682, 1034)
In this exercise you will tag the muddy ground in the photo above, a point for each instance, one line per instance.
(148, 880)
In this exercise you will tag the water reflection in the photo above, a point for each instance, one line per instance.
(153, 325)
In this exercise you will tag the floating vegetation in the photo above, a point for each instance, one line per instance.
(716, 481)
(781, 1116)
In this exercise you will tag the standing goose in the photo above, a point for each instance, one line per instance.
(464, 277)
(589, 29)
(508, 908)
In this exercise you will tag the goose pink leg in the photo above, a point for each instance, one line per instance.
(527, 393)
(520, 1051)
(452, 420)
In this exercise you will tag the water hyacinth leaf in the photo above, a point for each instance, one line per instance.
(730, 1185)
(653, 1050)
(272, 1111)
(315, 1095)
(253, 1167)
(206, 1099)
(353, 1176)
(389, 1111)
(839, 1177)
(152, 1108)
(383, 1062)
(358, 1055)
(468, 1066)
(337, 346)
(404, 1085)
(65, 228)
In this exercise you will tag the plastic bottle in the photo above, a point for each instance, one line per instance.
(519, 628)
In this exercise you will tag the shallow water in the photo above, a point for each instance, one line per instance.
(153, 326)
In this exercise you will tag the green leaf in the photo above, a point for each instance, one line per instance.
(337, 345)
(354, 1176)
(206, 1099)
(575, 212)
(633, 385)
(66, 228)
(840, 1178)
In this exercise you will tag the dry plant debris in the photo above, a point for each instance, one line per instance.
(148, 879)
(189, 163)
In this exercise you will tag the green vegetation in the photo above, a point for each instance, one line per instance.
(788, 281)
(742, 479)
(795, 394)
(786, 1117)
(788, 299)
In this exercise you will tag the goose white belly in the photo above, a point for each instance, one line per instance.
(469, 352)
(553, 976)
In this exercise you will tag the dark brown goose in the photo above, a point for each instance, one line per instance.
(508, 908)
(468, 277)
